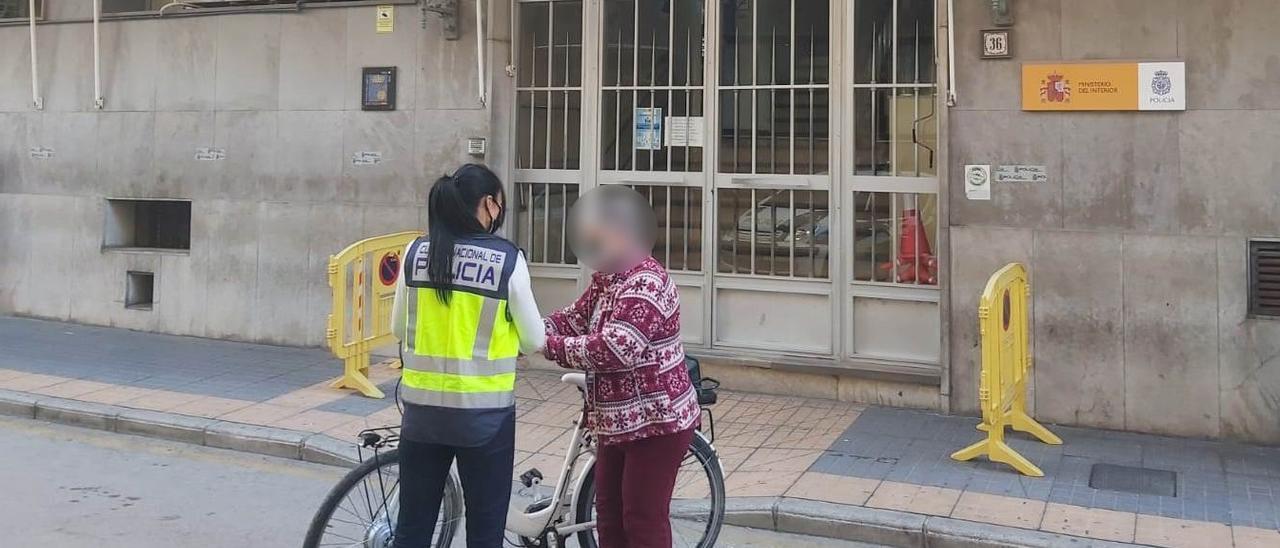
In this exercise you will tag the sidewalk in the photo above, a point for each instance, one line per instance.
(1218, 494)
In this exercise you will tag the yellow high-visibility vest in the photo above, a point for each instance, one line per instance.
(461, 354)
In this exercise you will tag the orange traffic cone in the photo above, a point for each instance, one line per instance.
(915, 262)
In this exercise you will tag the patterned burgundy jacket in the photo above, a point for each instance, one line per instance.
(624, 331)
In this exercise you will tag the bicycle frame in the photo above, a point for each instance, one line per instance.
(572, 473)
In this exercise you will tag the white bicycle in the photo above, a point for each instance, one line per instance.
(362, 508)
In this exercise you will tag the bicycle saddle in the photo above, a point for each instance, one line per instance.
(576, 379)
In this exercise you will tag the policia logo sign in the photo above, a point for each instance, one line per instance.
(474, 267)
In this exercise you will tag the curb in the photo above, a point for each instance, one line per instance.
(249, 438)
(782, 514)
(890, 527)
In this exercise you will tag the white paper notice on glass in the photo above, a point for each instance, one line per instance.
(648, 128)
(684, 131)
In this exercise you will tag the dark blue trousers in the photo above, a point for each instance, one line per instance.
(485, 472)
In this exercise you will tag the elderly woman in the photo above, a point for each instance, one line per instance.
(624, 332)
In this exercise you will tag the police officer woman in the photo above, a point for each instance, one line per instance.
(463, 311)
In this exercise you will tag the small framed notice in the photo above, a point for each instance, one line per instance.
(378, 88)
(995, 44)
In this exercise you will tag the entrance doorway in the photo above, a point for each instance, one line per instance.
(788, 148)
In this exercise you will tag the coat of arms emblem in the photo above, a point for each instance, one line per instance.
(1054, 88)
(1160, 83)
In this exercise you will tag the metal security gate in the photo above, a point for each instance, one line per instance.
(784, 235)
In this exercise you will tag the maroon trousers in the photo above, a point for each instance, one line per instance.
(634, 481)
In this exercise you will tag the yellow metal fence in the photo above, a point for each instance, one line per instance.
(362, 280)
(1006, 368)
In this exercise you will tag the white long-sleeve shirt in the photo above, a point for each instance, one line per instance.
(524, 309)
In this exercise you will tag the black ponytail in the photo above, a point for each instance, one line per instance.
(451, 211)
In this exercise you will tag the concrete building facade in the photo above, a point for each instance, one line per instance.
(802, 157)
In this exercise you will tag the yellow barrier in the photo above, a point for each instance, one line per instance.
(362, 279)
(1006, 366)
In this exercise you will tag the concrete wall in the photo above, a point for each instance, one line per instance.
(281, 93)
(1136, 244)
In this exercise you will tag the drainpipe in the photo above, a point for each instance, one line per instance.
(36, 99)
(98, 101)
(951, 53)
(480, 51)
(511, 52)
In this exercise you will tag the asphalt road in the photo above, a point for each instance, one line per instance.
(73, 487)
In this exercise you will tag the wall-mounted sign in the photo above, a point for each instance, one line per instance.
(648, 128)
(995, 44)
(378, 88)
(385, 20)
(366, 158)
(977, 182)
(211, 154)
(1021, 174)
(41, 153)
(1104, 86)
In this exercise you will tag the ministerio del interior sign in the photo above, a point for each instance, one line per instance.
(1104, 86)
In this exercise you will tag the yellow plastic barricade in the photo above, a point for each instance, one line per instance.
(1006, 366)
(362, 279)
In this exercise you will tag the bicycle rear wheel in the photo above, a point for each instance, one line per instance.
(361, 510)
(697, 503)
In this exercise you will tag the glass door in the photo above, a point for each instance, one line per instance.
(772, 177)
(652, 125)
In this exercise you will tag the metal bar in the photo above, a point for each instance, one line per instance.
(36, 100)
(755, 210)
(773, 231)
(617, 109)
(734, 228)
(635, 74)
(787, 86)
(529, 221)
(667, 229)
(688, 107)
(98, 101)
(483, 92)
(653, 77)
(873, 265)
(773, 100)
(812, 104)
(671, 45)
(564, 217)
(687, 228)
(951, 54)
(546, 220)
(671, 108)
(642, 88)
(755, 28)
(893, 99)
(791, 79)
(564, 161)
(533, 112)
(791, 237)
(918, 228)
(551, 42)
(895, 229)
(813, 233)
(915, 149)
(890, 85)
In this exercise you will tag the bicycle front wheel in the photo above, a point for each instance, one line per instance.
(361, 510)
(697, 502)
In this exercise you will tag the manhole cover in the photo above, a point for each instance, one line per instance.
(1131, 479)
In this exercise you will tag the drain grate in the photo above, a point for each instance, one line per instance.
(1131, 479)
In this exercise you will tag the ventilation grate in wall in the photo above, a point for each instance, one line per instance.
(1264, 278)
